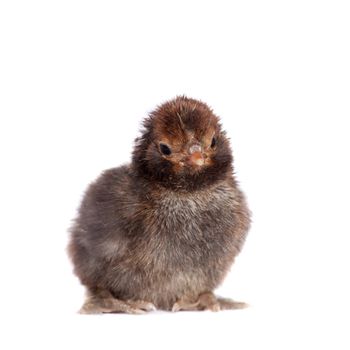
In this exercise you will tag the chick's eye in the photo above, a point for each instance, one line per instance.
(165, 149)
(213, 142)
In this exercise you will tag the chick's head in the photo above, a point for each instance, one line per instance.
(183, 146)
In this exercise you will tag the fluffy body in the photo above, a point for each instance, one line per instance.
(153, 234)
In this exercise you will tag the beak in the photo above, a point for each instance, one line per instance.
(196, 155)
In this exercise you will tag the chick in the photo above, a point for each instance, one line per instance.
(163, 231)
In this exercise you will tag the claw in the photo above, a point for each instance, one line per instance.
(176, 307)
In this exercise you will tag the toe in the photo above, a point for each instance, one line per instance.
(214, 307)
(134, 311)
(228, 304)
(141, 304)
(149, 307)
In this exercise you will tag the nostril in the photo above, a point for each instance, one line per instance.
(195, 148)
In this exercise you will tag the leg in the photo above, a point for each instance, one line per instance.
(207, 301)
(186, 303)
(103, 302)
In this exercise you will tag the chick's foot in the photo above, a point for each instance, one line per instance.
(207, 301)
(99, 305)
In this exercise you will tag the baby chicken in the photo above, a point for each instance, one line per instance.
(163, 231)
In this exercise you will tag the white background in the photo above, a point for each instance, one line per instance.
(77, 78)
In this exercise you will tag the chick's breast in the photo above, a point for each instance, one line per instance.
(155, 244)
